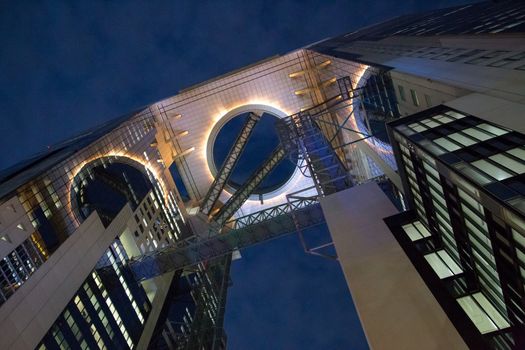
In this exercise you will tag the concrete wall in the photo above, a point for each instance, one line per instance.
(438, 92)
(502, 82)
(396, 309)
(27, 316)
(15, 226)
(496, 110)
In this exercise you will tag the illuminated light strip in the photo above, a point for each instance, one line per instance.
(296, 74)
(184, 153)
(302, 91)
(123, 282)
(113, 153)
(222, 112)
(113, 310)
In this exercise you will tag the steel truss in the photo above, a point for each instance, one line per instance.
(208, 319)
(241, 195)
(319, 250)
(229, 164)
(265, 226)
(300, 134)
(204, 329)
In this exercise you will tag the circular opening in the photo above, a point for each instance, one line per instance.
(107, 187)
(260, 145)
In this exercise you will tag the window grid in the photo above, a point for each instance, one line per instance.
(482, 248)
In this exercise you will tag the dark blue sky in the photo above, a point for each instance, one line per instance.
(263, 141)
(67, 66)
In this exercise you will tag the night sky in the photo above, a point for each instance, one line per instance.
(68, 66)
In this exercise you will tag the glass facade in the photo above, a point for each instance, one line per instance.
(464, 181)
(110, 308)
(107, 312)
(477, 18)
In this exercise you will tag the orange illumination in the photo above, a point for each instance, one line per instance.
(324, 64)
(114, 153)
(222, 111)
(302, 91)
(329, 81)
(296, 74)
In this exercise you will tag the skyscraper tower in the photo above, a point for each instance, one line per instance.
(123, 236)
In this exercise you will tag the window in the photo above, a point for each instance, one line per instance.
(417, 127)
(465, 55)
(462, 139)
(448, 54)
(455, 115)
(482, 313)
(517, 152)
(446, 144)
(473, 174)
(478, 134)
(401, 92)
(432, 52)
(486, 57)
(431, 123)
(416, 231)
(428, 100)
(508, 60)
(490, 169)
(492, 129)
(443, 119)
(442, 264)
(415, 100)
(509, 162)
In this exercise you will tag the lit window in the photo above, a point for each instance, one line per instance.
(478, 134)
(430, 123)
(446, 144)
(473, 174)
(517, 152)
(417, 127)
(509, 163)
(482, 313)
(518, 237)
(455, 115)
(492, 129)
(462, 139)
(443, 119)
(442, 264)
(490, 169)
(416, 231)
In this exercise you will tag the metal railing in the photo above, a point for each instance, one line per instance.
(265, 226)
